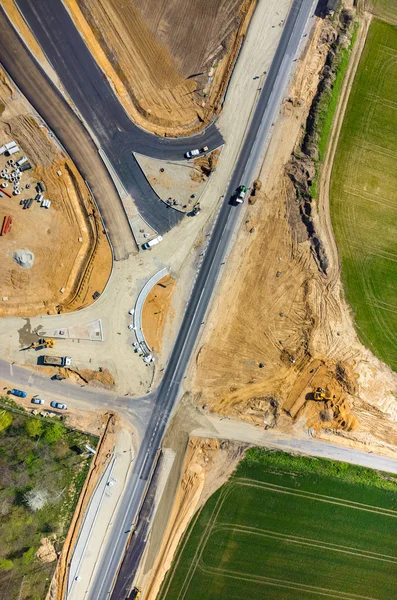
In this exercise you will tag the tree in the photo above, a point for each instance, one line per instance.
(34, 427)
(6, 564)
(36, 499)
(53, 433)
(5, 419)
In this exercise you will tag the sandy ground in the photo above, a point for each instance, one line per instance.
(168, 62)
(180, 183)
(208, 463)
(179, 251)
(275, 312)
(156, 311)
(80, 261)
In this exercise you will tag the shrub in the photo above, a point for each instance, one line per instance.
(6, 564)
(5, 419)
(34, 427)
(53, 433)
(28, 556)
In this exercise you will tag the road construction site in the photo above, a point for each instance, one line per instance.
(50, 208)
(278, 333)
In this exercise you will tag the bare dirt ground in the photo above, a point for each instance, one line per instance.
(169, 62)
(72, 257)
(156, 311)
(277, 318)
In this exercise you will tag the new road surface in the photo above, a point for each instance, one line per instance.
(98, 106)
(167, 393)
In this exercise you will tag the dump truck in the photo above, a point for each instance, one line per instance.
(57, 361)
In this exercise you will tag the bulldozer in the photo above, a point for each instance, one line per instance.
(43, 343)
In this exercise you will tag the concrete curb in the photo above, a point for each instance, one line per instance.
(139, 307)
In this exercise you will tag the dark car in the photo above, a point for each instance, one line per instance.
(58, 405)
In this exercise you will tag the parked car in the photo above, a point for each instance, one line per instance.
(37, 401)
(131, 311)
(59, 405)
(131, 327)
(18, 393)
(58, 377)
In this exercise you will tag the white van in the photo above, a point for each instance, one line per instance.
(153, 242)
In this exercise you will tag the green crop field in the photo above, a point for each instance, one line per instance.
(291, 528)
(385, 9)
(364, 194)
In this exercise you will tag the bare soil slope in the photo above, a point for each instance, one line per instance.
(169, 61)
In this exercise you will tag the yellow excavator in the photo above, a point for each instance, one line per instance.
(320, 394)
(43, 343)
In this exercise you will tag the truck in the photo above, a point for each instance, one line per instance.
(153, 242)
(196, 152)
(240, 194)
(57, 361)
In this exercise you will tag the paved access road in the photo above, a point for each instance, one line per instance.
(167, 393)
(100, 109)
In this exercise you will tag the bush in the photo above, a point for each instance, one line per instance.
(28, 556)
(5, 420)
(53, 433)
(6, 564)
(34, 427)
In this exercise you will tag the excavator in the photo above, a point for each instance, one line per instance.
(320, 394)
(43, 343)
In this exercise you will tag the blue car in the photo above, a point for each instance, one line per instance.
(18, 393)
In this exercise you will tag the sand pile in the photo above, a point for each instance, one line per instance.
(24, 258)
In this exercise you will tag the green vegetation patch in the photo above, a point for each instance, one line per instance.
(289, 527)
(42, 470)
(364, 194)
(385, 9)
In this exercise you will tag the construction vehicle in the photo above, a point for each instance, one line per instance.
(57, 361)
(320, 394)
(42, 343)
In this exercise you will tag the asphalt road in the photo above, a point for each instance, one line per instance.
(52, 107)
(167, 392)
(101, 111)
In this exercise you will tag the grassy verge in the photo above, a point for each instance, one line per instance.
(363, 194)
(42, 471)
(328, 104)
(290, 527)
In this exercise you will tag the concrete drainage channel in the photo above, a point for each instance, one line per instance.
(137, 316)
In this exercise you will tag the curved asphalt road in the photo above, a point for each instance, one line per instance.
(110, 126)
(167, 393)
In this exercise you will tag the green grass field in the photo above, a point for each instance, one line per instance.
(291, 528)
(364, 194)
